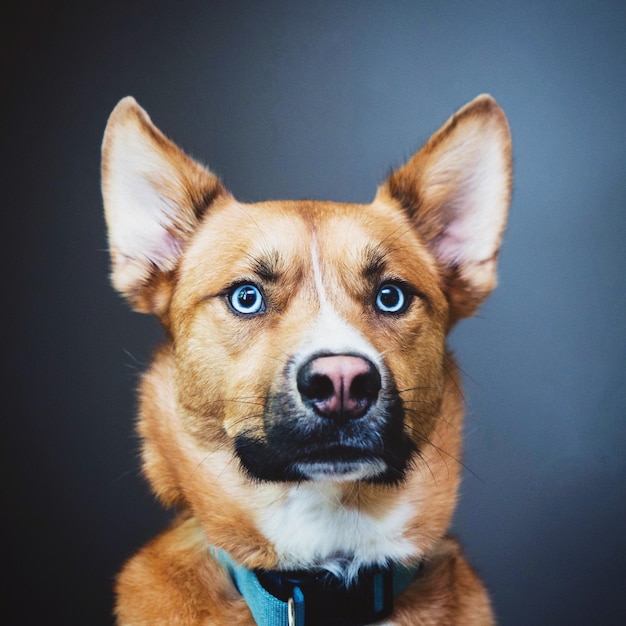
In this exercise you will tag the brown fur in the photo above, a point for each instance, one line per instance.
(210, 380)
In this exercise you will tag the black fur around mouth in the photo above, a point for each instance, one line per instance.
(299, 445)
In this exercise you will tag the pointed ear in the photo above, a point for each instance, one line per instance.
(457, 190)
(154, 197)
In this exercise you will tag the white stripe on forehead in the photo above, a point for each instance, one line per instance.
(331, 332)
(317, 274)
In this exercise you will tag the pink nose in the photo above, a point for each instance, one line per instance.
(339, 387)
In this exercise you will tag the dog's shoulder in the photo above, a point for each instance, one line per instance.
(175, 580)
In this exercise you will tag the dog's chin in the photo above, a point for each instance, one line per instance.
(340, 471)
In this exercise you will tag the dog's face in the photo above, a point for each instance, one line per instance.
(311, 335)
(306, 340)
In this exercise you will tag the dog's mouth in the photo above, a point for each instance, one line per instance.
(340, 462)
(301, 445)
(287, 455)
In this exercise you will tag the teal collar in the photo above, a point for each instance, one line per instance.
(313, 599)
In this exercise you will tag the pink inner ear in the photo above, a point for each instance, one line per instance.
(165, 251)
(472, 236)
(141, 222)
(474, 214)
(448, 249)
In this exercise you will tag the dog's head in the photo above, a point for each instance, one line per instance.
(307, 338)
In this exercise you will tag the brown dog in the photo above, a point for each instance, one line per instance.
(304, 415)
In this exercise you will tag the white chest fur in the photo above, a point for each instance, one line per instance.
(310, 527)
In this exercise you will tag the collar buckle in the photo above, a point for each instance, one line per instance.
(291, 612)
(328, 601)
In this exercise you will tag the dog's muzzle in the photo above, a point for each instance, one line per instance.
(336, 417)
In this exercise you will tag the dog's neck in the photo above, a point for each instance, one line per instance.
(329, 526)
(290, 598)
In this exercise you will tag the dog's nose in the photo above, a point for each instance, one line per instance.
(339, 387)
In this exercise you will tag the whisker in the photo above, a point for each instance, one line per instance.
(252, 400)
(437, 417)
(424, 463)
(442, 452)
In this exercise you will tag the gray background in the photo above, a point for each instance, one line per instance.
(321, 99)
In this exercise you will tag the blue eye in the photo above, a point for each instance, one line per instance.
(391, 298)
(246, 300)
